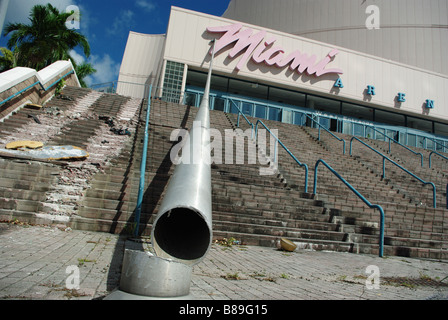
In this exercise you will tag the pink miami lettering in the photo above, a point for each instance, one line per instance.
(249, 43)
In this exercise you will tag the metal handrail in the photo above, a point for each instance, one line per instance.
(57, 81)
(399, 166)
(254, 134)
(303, 165)
(238, 119)
(359, 195)
(141, 187)
(34, 84)
(18, 93)
(436, 153)
(435, 141)
(391, 139)
(321, 126)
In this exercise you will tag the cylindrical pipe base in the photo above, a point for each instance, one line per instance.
(150, 276)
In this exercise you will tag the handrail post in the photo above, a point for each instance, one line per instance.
(381, 241)
(436, 153)
(319, 129)
(141, 186)
(396, 164)
(360, 196)
(433, 195)
(275, 153)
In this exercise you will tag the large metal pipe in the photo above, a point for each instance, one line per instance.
(182, 230)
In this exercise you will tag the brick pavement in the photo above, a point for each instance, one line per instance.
(34, 261)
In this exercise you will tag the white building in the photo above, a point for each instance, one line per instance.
(310, 57)
(3, 9)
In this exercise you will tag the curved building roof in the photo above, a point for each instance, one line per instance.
(413, 32)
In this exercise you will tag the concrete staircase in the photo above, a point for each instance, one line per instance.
(100, 193)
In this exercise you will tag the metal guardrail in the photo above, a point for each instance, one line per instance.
(18, 93)
(396, 164)
(244, 116)
(303, 165)
(443, 147)
(254, 135)
(430, 156)
(436, 153)
(400, 144)
(141, 187)
(321, 126)
(35, 84)
(359, 195)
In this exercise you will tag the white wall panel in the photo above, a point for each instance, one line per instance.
(141, 63)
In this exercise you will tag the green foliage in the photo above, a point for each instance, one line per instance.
(45, 40)
(60, 86)
(8, 59)
(82, 71)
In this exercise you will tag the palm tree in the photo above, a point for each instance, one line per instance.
(46, 39)
(82, 71)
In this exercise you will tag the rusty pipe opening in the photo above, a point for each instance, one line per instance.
(182, 234)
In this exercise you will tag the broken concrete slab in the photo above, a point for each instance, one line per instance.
(49, 153)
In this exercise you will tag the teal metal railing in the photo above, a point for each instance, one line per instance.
(303, 165)
(331, 133)
(254, 135)
(395, 141)
(18, 93)
(396, 164)
(430, 164)
(436, 153)
(57, 81)
(35, 84)
(441, 146)
(359, 195)
(244, 116)
(141, 187)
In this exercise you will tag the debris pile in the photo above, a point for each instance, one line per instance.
(64, 197)
(74, 177)
(121, 131)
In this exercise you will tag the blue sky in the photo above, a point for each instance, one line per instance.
(106, 24)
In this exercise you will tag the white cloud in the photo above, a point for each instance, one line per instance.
(122, 23)
(148, 6)
(77, 57)
(106, 69)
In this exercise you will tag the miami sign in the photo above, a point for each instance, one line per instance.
(255, 46)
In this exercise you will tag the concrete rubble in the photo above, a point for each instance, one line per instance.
(74, 177)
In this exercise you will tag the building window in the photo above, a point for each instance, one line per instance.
(172, 84)
(247, 109)
(190, 99)
(219, 104)
(420, 124)
(260, 111)
(275, 114)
